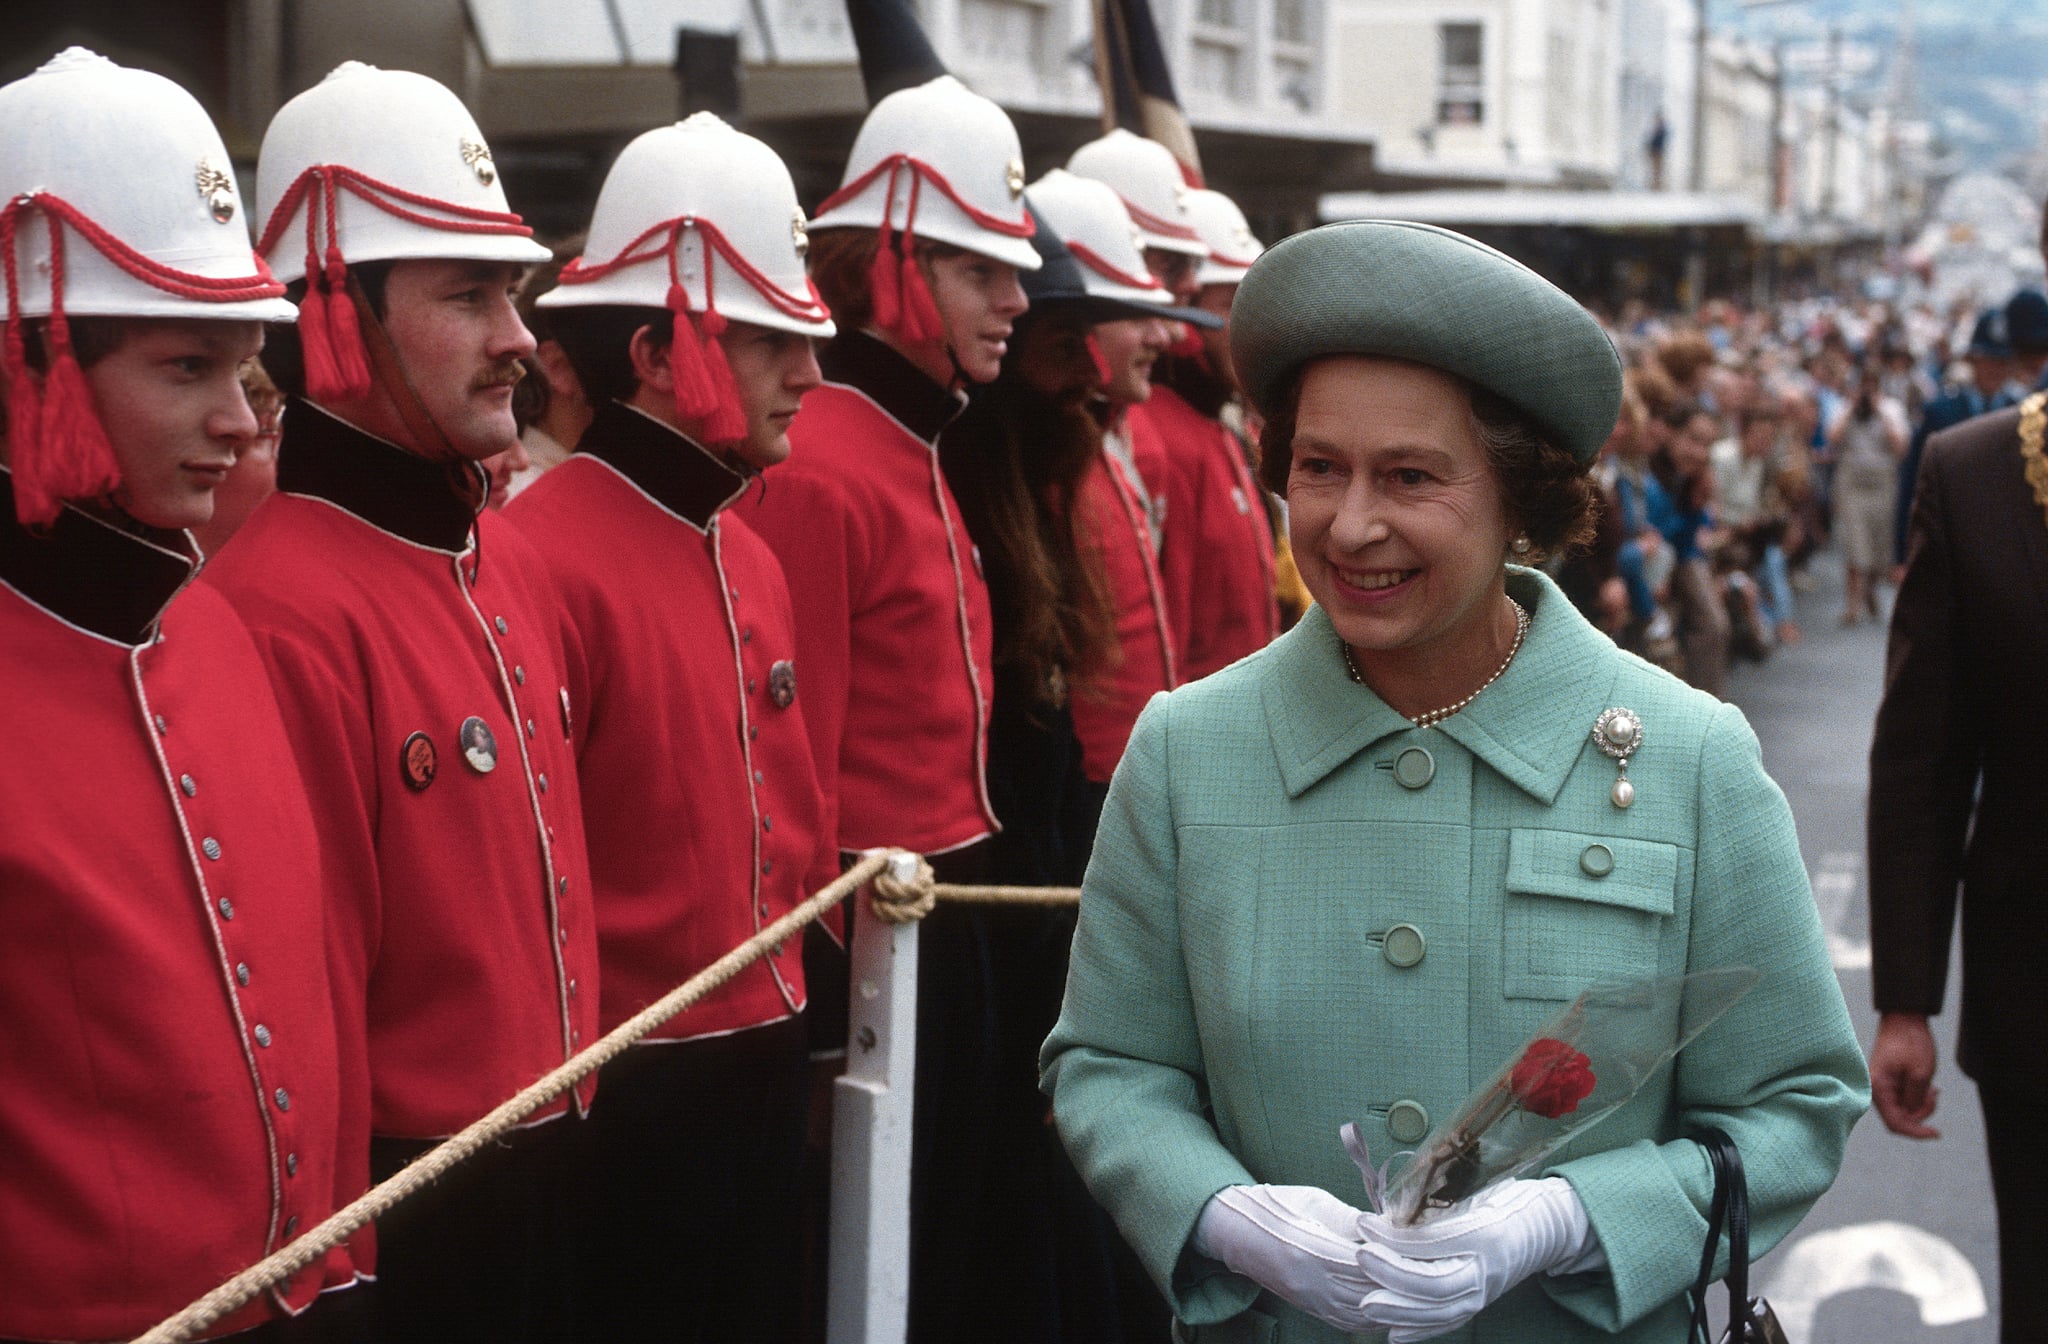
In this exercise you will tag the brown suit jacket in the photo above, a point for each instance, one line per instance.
(1959, 765)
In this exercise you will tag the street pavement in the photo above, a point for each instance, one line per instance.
(1904, 1247)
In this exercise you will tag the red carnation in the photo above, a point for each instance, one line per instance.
(1551, 1079)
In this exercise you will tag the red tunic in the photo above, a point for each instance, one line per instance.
(893, 618)
(701, 804)
(465, 940)
(1105, 707)
(169, 1083)
(1217, 560)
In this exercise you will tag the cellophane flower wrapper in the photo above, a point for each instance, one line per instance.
(1586, 1063)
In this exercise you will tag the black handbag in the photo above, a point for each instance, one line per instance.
(1750, 1319)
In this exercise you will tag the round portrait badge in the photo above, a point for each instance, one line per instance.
(417, 762)
(782, 683)
(479, 745)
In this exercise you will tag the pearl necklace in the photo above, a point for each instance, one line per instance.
(1436, 716)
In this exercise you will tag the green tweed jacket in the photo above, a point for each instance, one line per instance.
(1234, 996)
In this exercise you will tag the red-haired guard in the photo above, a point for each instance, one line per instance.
(415, 643)
(173, 1093)
(918, 254)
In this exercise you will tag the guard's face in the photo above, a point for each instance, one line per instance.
(170, 397)
(1130, 347)
(978, 299)
(773, 369)
(1052, 357)
(1396, 520)
(460, 339)
(1216, 344)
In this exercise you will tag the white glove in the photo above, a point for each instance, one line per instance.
(1298, 1242)
(1438, 1275)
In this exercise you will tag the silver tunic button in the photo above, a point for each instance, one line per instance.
(291, 1164)
(242, 973)
(291, 1227)
(1407, 1122)
(543, 783)
(1414, 768)
(161, 726)
(1404, 945)
(262, 1034)
(227, 908)
(210, 847)
(283, 1099)
(519, 675)
(188, 785)
(502, 627)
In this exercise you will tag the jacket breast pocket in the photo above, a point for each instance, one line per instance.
(1582, 909)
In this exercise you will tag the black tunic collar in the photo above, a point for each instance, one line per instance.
(428, 503)
(893, 382)
(110, 580)
(670, 467)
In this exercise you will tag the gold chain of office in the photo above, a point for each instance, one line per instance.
(2033, 430)
(895, 900)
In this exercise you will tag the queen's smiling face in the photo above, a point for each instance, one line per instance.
(1396, 518)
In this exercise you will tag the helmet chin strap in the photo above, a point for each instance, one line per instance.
(469, 479)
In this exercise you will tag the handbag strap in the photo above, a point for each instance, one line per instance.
(1729, 1211)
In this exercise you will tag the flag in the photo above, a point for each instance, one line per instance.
(1137, 88)
(894, 52)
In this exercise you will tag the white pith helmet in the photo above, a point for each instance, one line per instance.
(1232, 247)
(396, 168)
(937, 161)
(120, 202)
(1147, 177)
(140, 175)
(1092, 222)
(705, 207)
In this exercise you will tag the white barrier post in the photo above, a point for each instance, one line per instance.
(869, 1294)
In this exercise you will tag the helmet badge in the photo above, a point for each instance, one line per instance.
(478, 156)
(217, 189)
(1013, 177)
(797, 233)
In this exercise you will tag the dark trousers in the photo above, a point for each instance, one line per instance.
(480, 1255)
(339, 1317)
(687, 1173)
(2019, 1183)
(1007, 1247)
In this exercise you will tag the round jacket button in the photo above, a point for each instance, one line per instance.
(1597, 861)
(1404, 945)
(1414, 768)
(1407, 1122)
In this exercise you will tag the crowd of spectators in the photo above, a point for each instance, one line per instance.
(1752, 438)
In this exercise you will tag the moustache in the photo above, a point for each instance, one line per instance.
(505, 377)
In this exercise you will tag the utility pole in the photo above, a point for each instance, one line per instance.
(1697, 177)
(1831, 122)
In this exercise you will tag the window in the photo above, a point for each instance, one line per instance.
(1461, 87)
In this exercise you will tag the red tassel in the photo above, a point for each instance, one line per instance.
(34, 505)
(1102, 370)
(336, 367)
(74, 459)
(706, 394)
(885, 282)
(727, 422)
(921, 322)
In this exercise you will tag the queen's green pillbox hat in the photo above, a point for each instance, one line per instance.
(1417, 292)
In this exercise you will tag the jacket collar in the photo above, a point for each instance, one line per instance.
(891, 382)
(668, 466)
(1530, 725)
(84, 570)
(387, 487)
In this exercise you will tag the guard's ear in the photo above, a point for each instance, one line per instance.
(649, 352)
